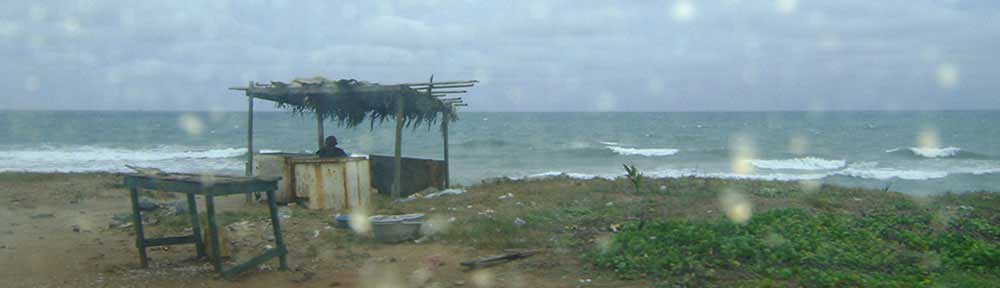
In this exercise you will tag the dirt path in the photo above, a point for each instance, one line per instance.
(54, 233)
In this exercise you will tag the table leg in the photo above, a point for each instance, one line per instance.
(213, 232)
(195, 224)
(276, 224)
(137, 219)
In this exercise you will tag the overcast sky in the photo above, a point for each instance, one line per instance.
(529, 56)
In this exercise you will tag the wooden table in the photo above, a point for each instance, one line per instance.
(209, 186)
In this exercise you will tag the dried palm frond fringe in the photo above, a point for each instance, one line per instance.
(350, 102)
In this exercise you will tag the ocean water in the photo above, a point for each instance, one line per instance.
(913, 152)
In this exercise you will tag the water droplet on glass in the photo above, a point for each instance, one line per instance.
(736, 205)
(191, 124)
(810, 186)
(71, 26)
(786, 6)
(947, 75)
(683, 11)
(798, 144)
(483, 278)
(927, 138)
(742, 152)
(359, 222)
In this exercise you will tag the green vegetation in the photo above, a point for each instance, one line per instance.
(792, 246)
(801, 234)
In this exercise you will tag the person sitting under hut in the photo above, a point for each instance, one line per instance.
(330, 149)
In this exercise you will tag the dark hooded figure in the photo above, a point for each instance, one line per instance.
(330, 149)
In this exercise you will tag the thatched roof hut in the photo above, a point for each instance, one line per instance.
(350, 102)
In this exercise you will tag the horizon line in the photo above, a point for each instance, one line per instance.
(533, 111)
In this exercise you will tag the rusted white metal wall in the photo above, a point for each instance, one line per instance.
(338, 184)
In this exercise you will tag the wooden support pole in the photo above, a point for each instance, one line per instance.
(249, 167)
(213, 234)
(397, 175)
(140, 239)
(444, 133)
(319, 131)
(447, 163)
(196, 225)
(276, 225)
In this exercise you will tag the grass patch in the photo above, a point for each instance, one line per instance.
(793, 246)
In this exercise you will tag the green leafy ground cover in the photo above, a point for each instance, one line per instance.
(799, 234)
(792, 246)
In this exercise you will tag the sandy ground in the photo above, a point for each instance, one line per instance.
(54, 232)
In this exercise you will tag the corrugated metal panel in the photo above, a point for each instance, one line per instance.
(274, 165)
(339, 184)
(418, 174)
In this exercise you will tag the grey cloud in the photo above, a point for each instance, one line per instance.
(531, 55)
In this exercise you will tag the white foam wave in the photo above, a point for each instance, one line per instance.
(609, 143)
(985, 171)
(936, 152)
(105, 159)
(888, 173)
(681, 173)
(865, 170)
(555, 174)
(807, 163)
(91, 153)
(651, 152)
(928, 152)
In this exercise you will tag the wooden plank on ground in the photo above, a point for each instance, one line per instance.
(508, 256)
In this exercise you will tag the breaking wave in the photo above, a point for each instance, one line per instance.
(105, 159)
(650, 152)
(888, 173)
(807, 163)
(92, 153)
(681, 173)
(931, 152)
(559, 174)
(866, 170)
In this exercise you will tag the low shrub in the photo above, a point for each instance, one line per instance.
(804, 249)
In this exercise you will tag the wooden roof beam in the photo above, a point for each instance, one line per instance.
(446, 91)
(424, 87)
(439, 83)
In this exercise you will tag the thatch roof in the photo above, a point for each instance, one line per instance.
(350, 101)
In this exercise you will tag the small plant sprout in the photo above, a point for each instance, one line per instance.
(635, 177)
